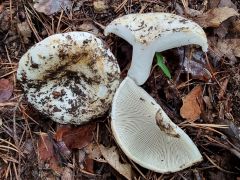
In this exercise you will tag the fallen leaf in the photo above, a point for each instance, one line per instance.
(75, 137)
(226, 26)
(67, 174)
(63, 149)
(47, 154)
(223, 29)
(191, 108)
(100, 6)
(88, 165)
(214, 17)
(6, 89)
(227, 3)
(112, 157)
(197, 70)
(25, 31)
(49, 7)
(195, 64)
(93, 152)
(89, 27)
(229, 48)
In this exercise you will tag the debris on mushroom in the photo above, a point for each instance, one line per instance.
(146, 134)
(154, 32)
(70, 77)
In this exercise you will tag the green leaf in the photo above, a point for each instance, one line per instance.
(160, 63)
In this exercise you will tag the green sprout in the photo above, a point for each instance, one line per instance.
(160, 63)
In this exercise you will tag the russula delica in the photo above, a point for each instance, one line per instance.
(154, 32)
(146, 134)
(70, 77)
(141, 128)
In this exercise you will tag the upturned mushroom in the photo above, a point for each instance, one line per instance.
(140, 126)
(146, 134)
(69, 77)
(154, 32)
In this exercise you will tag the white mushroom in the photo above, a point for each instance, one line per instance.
(146, 134)
(154, 32)
(70, 77)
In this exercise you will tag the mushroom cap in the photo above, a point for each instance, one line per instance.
(164, 30)
(162, 148)
(154, 32)
(70, 77)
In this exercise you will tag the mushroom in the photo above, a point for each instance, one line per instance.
(146, 134)
(154, 32)
(70, 77)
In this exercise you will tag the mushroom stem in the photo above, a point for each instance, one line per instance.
(154, 32)
(139, 72)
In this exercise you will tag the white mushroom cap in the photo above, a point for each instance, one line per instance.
(70, 77)
(154, 32)
(162, 148)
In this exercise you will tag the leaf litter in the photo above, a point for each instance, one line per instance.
(223, 28)
(112, 157)
(214, 17)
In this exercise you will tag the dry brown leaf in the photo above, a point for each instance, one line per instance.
(197, 70)
(75, 137)
(6, 89)
(25, 31)
(112, 157)
(94, 152)
(88, 27)
(195, 64)
(88, 165)
(229, 48)
(191, 108)
(46, 153)
(100, 6)
(67, 174)
(214, 17)
(49, 7)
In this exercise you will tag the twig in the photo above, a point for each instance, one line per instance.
(59, 22)
(10, 61)
(8, 104)
(29, 20)
(121, 6)
(7, 74)
(218, 167)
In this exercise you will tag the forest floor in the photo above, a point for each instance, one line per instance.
(207, 85)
